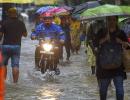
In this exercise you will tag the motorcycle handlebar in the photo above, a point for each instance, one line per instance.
(43, 39)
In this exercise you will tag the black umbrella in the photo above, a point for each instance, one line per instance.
(68, 8)
(82, 7)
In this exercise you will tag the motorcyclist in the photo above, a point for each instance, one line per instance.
(48, 29)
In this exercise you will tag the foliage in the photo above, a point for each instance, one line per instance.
(77, 2)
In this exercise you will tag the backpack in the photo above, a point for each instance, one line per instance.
(110, 55)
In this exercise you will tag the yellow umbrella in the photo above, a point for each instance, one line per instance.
(16, 1)
(45, 2)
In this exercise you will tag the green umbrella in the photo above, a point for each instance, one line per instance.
(123, 19)
(105, 10)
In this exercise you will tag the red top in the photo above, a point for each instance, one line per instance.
(128, 39)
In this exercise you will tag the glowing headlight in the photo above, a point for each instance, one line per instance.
(47, 47)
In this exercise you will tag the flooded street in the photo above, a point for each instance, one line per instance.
(74, 83)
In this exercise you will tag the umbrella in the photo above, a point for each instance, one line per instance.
(45, 2)
(44, 9)
(58, 11)
(68, 8)
(124, 24)
(16, 1)
(82, 7)
(61, 11)
(8, 3)
(105, 10)
(123, 19)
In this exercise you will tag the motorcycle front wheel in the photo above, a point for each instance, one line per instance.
(43, 67)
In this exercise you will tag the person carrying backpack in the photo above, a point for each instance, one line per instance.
(109, 58)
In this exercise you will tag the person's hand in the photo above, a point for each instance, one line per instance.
(119, 41)
(106, 38)
(124, 44)
(62, 41)
(32, 30)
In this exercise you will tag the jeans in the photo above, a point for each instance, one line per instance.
(13, 52)
(68, 47)
(103, 87)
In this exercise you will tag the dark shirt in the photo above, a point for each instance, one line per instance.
(13, 30)
(66, 30)
(102, 73)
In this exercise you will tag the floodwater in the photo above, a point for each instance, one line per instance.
(74, 83)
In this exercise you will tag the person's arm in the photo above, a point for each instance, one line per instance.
(61, 35)
(1, 33)
(25, 34)
(24, 30)
(35, 32)
(103, 40)
(2, 30)
(122, 38)
(102, 36)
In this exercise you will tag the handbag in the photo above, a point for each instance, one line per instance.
(110, 55)
(126, 59)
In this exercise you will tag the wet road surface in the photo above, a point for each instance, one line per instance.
(74, 83)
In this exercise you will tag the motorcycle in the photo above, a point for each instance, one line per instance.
(49, 51)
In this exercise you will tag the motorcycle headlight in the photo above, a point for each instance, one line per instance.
(47, 47)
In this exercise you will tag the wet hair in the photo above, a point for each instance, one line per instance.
(112, 16)
(116, 21)
(12, 12)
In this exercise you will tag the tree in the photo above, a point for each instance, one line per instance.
(77, 2)
(123, 2)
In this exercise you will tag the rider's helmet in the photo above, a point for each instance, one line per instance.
(47, 18)
(47, 15)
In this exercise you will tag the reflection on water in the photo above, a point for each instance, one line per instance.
(69, 85)
(47, 99)
(49, 94)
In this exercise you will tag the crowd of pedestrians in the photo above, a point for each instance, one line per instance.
(97, 36)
